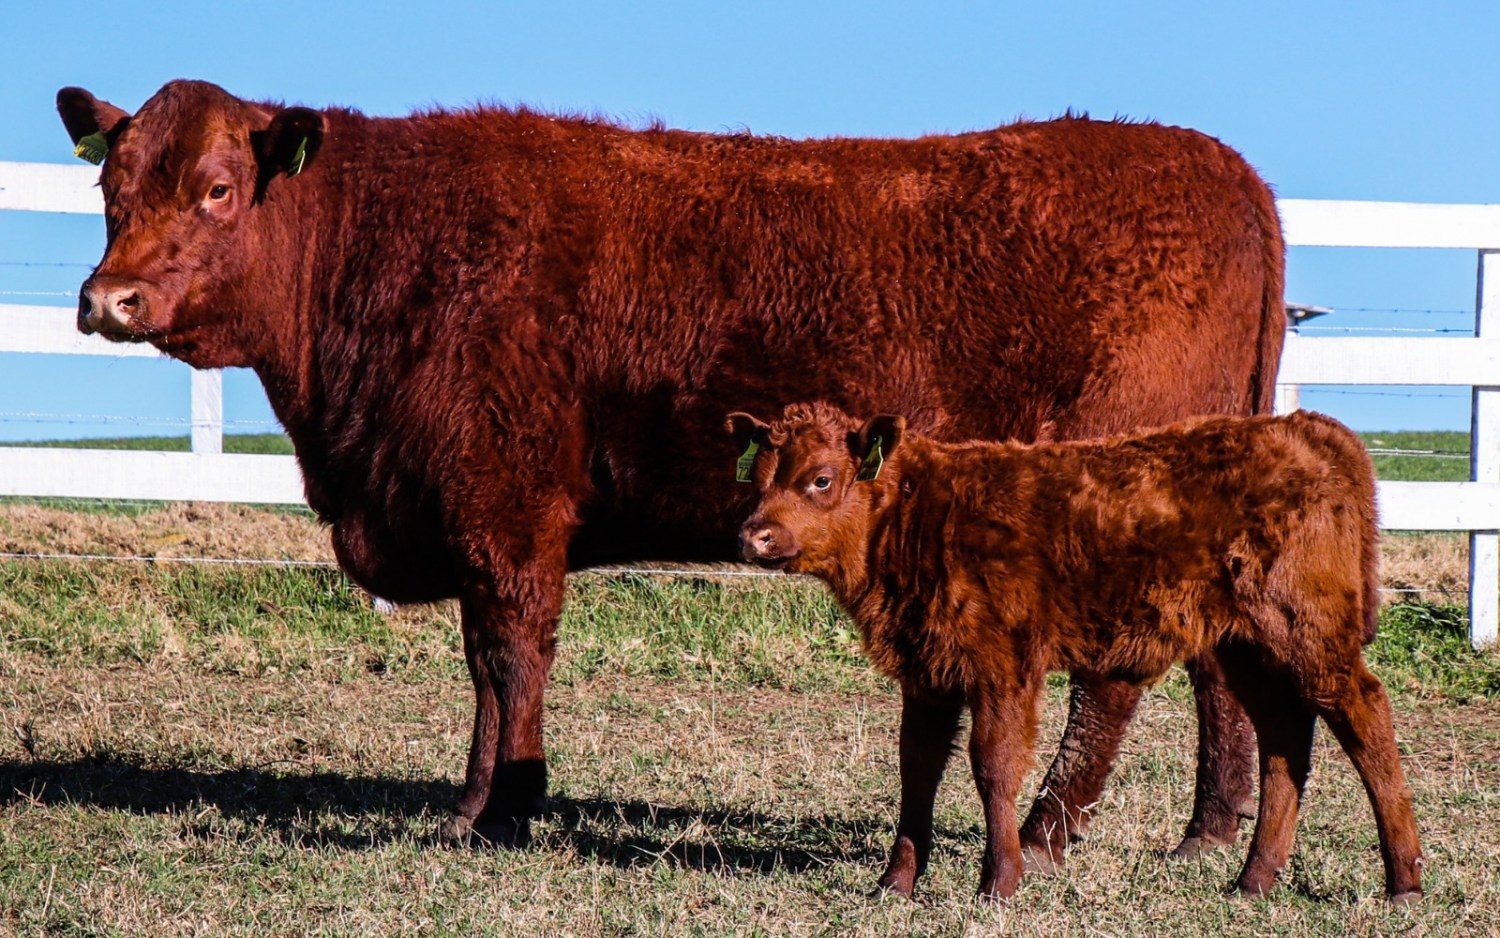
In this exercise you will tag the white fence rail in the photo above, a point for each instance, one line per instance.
(208, 474)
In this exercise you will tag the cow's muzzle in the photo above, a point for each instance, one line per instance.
(768, 544)
(112, 306)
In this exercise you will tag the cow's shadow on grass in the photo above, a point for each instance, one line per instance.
(337, 811)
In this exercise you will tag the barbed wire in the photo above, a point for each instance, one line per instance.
(687, 572)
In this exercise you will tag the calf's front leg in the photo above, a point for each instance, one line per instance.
(929, 724)
(1000, 745)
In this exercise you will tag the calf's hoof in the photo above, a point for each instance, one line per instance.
(895, 882)
(1254, 887)
(1405, 898)
(1042, 859)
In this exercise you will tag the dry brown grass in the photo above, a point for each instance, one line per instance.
(160, 800)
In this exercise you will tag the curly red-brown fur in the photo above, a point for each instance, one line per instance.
(973, 569)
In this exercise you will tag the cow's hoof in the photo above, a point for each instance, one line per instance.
(455, 831)
(505, 832)
(1192, 848)
(1405, 898)
(1041, 860)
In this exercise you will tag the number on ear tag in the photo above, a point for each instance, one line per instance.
(93, 148)
(869, 469)
(746, 462)
(298, 159)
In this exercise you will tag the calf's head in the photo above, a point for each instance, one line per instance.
(185, 180)
(819, 474)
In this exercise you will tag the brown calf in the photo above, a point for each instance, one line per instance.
(974, 569)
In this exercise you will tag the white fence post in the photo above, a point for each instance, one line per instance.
(208, 411)
(1288, 398)
(1484, 464)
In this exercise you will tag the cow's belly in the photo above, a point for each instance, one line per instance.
(407, 563)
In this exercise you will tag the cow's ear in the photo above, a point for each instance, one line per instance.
(92, 124)
(290, 142)
(873, 443)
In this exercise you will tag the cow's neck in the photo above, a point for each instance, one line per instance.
(347, 329)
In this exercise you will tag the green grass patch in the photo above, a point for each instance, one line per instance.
(1436, 455)
(788, 635)
(1425, 650)
(268, 444)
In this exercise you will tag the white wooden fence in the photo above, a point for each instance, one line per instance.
(208, 474)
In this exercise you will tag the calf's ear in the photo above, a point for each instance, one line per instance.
(745, 429)
(749, 436)
(873, 443)
(289, 142)
(92, 124)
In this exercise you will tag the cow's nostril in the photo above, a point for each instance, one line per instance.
(128, 302)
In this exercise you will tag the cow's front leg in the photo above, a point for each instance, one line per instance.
(1226, 761)
(509, 630)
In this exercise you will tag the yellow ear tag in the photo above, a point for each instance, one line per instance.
(93, 148)
(869, 469)
(298, 159)
(746, 462)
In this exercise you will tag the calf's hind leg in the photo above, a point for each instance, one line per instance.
(1361, 721)
(928, 728)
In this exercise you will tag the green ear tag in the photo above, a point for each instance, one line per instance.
(746, 462)
(298, 158)
(869, 469)
(92, 148)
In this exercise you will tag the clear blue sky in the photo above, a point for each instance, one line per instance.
(1328, 100)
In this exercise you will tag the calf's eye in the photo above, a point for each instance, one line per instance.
(821, 483)
(219, 193)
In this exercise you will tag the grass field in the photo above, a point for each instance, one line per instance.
(210, 750)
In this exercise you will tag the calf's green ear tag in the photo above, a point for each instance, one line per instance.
(869, 469)
(298, 159)
(93, 148)
(746, 462)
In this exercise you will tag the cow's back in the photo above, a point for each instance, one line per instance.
(1049, 280)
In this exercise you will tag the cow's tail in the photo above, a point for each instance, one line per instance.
(1273, 303)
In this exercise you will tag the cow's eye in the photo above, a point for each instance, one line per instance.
(821, 483)
(219, 193)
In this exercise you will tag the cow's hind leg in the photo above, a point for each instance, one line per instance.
(1099, 710)
(929, 725)
(509, 629)
(1284, 729)
(1226, 758)
(1361, 720)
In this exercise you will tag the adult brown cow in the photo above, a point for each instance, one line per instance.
(499, 340)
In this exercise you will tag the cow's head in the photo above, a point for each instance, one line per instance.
(184, 179)
(819, 475)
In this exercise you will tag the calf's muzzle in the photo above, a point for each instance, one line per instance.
(767, 543)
